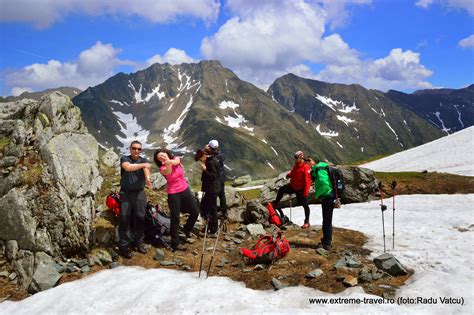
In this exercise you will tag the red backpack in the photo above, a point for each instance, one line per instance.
(268, 249)
(113, 203)
(273, 218)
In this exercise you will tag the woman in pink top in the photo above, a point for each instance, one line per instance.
(180, 197)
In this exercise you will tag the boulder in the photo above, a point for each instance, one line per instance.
(239, 181)
(314, 274)
(360, 184)
(45, 277)
(389, 264)
(17, 221)
(12, 249)
(278, 285)
(72, 160)
(110, 158)
(255, 230)
(158, 181)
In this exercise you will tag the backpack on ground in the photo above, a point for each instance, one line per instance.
(113, 203)
(157, 223)
(267, 250)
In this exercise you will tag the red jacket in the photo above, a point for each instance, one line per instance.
(300, 178)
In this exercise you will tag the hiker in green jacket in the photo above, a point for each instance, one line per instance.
(323, 190)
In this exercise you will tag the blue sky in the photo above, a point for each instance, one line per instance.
(380, 44)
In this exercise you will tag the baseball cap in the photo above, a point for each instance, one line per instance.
(213, 144)
(298, 154)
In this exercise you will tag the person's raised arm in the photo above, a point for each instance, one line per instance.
(129, 167)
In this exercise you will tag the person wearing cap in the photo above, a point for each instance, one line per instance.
(210, 178)
(300, 183)
(214, 146)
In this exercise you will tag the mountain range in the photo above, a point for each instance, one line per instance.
(184, 106)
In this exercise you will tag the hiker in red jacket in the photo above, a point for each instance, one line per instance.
(300, 182)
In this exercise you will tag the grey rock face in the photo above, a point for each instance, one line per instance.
(255, 229)
(47, 199)
(314, 274)
(389, 264)
(72, 160)
(158, 181)
(45, 277)
(239, 181)
(17, 221)
(12, 249)
(360, 184)
(110, 158)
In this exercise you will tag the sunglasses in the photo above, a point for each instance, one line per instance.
(136, 149)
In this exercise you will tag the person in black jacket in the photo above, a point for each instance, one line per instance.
(214, 146)
(210, 186)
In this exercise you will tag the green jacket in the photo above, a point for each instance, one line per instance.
(322, 183)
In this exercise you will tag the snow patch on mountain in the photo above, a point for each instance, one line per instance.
(330, 133)
(345, 119)
(119, 103)
(171, 130)
(443, 127)
(138, 93)
(236, 120)
(336, 105)
(276, 153)
(459, 115)
(450, 154)
(270, 164)
(132, 131)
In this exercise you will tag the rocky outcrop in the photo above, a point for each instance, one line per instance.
(49, 166)
(360, 185)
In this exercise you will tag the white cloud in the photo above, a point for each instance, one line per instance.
(467, 42)
(467, 5)
(20, 90)
(337, 11)
(266, 40)
(44, 13)
(93, 66)
(424, 3)
(173, 56)
(399, 70)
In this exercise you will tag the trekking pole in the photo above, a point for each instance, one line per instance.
(291, 207)
(383, 208)
(394, 184)
(203, 247)
(214, 250)
(168, 247)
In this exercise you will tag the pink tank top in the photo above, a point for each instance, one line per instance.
(176, 182)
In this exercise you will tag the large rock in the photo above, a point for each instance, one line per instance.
(360, 184)
(17, 221)
(72, 160)
(158, 181)
(45, 277)
(239, 181)
(47, 201)
(233, 198)
(389, 264)
(110, 158)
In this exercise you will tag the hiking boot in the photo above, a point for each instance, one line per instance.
(125, 253)
(306, 225)
(325, 246)
(180, 247)
(212, 235)
(141, 249)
